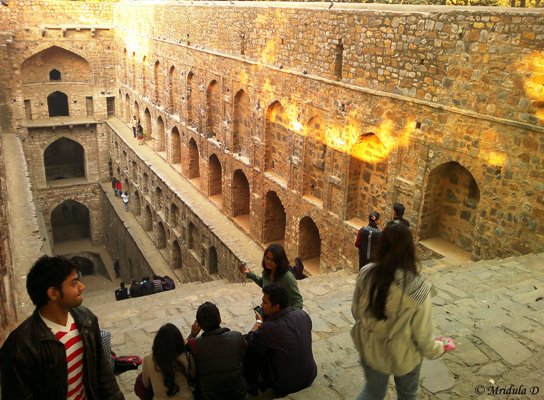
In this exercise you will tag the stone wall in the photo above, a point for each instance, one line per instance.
(420, 88)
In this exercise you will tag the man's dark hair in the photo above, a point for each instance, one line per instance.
(277, 295)
(399, 209)
(122, 284)
(208, 316)
(45, 273)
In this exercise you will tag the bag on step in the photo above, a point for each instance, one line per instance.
(125, 363)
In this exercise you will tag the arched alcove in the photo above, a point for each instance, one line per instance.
(176, 262)
(136, 203)
(194, 167)
(70, 221)
(148, 130)
(309, 244)
(241, 130)
(148, 219)
(158, 199)
(192, 236)
(215, 176)
(277, 140)
(240, 194)
(274, 219)
(160, 139)
(212, 261)
(144, 76)
(173, 89)
(55, 75)
(127, 109)
(158, 86)
(174, 214)
(64, 159)
(137, 110)
(367, 177)
(189, 96)
(213, 109)
(450, 205)
(315, 153)
(57, 104)
(161, 236)
(175, 146)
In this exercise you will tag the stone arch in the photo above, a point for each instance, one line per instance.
(176, 261)
(148, 218)
(194, 167)
(157, 78)
(36, 66)
(136, 203)
(241, 130)
(175, 146)
(145, 182)
(64, 159)
(127, 108)
(126, 185)
(274, 219)
(213, 109)
(137, 109)
(148, 128)
(367, 177)
(215, 186)
(315, 152)
(212, 261)
(125, 67)
(240, 194)
(55, 75)
(189, 97)
(160, 138)
(309, 242)
(450, 205)
(144, 76)
(174, 214)
(70, 220)
(159, 199)
(192, 240)
(161, 235)
(133, 71)
(173, 89)
(57, 104)
(277, 137)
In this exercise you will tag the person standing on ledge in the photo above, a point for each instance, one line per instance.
(134, 125)
(117, 268)
(398, 214)
(56, 353)
(367, 239)
(276, 270)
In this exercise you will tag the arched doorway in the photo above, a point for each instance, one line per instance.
(148, 219)
(64, 159)
(450, 205)
(309, 244)
(127, 108)
(213, 109)
(212, 261)
(189, 102)
(57, 104)
(274, 219)
(240, 195)
(161, 236)
(135, 203)
(215, 188)
(241, 142)
(194, 168)
(176, 256)
(175, 146)
(70, 221)
(277, 138)
(160, 139)
(148, 129)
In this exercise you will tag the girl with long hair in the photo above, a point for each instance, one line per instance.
(169, 370)
(393, 328)
(276, 270)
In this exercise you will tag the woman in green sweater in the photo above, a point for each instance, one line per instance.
(276, 270)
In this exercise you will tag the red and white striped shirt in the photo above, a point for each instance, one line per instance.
(70, 337)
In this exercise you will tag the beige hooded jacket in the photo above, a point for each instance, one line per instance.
(399, 343)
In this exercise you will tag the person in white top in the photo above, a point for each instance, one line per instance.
(393, 328)
(134, 124)
(124, 196)
(56, 353)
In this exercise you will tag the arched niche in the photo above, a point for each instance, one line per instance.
(274, 219)
(57, 104)
(64, 159)
(70, 221)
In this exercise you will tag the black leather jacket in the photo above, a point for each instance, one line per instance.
(33, 363)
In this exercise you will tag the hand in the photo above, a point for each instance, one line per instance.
(242, 267)
(195, 329)
(258, 317)
(449, 344)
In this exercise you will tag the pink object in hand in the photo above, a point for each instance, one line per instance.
(449, 344)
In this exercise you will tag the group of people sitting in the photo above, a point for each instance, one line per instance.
(276, 353)
(145, 287)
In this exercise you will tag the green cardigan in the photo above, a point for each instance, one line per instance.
(287, 281)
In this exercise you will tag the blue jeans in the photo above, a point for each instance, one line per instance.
(376, 385)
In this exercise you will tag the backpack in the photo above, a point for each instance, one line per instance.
(125, 363)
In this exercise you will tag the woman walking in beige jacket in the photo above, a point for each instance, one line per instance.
(393, 328)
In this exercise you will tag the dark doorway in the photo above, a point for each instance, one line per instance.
(57, 104)
(70, 221)
(64, 159)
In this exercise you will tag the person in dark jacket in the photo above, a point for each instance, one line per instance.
(398, 215)
(35, 357)
(219, 355)
(135, 289)
(280, 347)
(367, 239)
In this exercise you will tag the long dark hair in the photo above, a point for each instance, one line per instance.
(167, 347)
(395, 250)
(280, 259)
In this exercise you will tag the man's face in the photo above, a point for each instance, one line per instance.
(268, 308)
(71, 291)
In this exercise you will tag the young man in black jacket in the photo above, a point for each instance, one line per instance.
(56, 353)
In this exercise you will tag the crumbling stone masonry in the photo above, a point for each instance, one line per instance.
(295, 120)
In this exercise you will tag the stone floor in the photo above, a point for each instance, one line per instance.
(493, 309)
